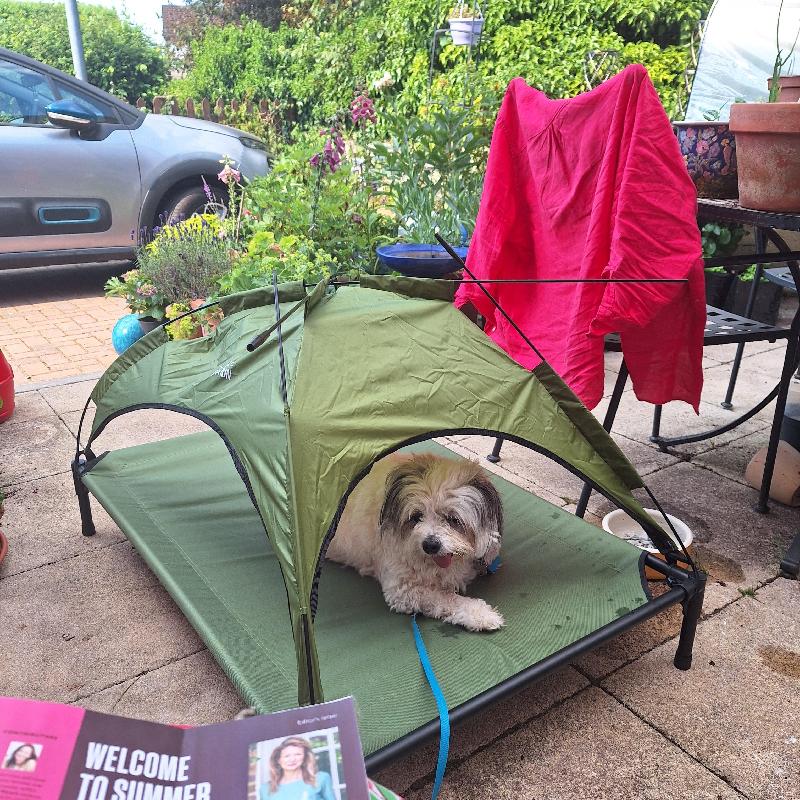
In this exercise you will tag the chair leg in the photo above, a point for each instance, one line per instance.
(789, 364)
(494, 456)
(692, 609)
(608, 421)
(760, 242)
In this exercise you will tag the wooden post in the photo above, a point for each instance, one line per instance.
(176, 109)
(158, 104)
(219, 109)
(190, 108)
(205, 104)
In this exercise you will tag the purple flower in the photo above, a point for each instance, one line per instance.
(362, 108)
(207, 190)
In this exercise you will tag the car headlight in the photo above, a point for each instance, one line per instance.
(253, 144)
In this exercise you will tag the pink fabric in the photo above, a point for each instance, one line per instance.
(592, 187)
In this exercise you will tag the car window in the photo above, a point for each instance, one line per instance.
(23, 95)
(105, 111)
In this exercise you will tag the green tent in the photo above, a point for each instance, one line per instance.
(305, 388)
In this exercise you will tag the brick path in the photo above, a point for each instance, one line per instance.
(56, 323)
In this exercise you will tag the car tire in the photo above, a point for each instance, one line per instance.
(183, 204)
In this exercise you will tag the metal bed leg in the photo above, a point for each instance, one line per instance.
(494, 456)
(789, 363)
(790, 564)
(608, 421)
(692, 609)
(751, 301)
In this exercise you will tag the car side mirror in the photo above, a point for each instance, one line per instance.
(69, 114)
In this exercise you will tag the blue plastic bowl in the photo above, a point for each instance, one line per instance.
(419, 260)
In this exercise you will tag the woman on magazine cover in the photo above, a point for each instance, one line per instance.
(22, 759)
(293, 774)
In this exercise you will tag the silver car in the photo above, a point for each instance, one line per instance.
(84, 176)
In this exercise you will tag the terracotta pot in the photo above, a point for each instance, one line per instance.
(768, 154)
(789, 91)
(785, 485)
(709, 150)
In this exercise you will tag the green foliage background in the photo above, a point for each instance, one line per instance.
(312, 62)
(119, 56)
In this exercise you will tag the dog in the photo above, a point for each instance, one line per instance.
(424, 526)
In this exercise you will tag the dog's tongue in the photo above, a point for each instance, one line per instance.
(443, 561)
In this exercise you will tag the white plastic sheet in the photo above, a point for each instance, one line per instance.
(738, 52)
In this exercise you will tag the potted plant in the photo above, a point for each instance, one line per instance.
(709, 149)
(466, 23)
(141, 297)
(430, 176)
(768, 146)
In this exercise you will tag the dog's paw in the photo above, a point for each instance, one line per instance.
(478, 615)
(245, 713)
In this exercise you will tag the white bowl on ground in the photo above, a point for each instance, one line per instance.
(621, 525)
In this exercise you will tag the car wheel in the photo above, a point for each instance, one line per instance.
(186, 203)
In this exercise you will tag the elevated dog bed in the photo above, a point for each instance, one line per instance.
(235, 520)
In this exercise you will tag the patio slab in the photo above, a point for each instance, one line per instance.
(33, 449)
(591, 746)
(733, 543)
(634, 420)
(736, 709)
(85, 623)
(189, 691)
(68, 397)
(474, 734)
(43, 525)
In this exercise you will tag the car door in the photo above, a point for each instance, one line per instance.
(61, 193)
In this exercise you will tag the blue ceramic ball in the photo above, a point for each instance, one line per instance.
(126, 331)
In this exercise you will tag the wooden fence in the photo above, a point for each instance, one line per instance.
(219, 110)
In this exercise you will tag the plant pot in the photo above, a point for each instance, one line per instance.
(149, 323)
(420, 260)
(709, 150)
(725, 292)
(768, 155)
(465, 30)
(789, 91)
(6, 389)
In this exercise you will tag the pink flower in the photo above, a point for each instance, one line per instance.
(228, 175)
(702, 146)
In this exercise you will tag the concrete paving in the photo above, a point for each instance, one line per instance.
(86, 622)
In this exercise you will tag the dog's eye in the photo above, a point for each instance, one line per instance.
(454, 522)
(415, 518)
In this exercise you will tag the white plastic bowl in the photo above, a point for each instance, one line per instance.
(623, 526)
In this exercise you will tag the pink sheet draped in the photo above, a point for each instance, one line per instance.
(592, 187)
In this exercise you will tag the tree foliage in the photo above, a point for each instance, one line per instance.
(119, 56)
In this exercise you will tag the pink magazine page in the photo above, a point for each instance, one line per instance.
(36, 744)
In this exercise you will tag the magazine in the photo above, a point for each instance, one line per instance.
(51, 751)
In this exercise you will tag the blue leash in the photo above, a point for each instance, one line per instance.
(441, 703)
(441, 706)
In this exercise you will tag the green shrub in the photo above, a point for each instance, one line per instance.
(312, 65)
(119, 56)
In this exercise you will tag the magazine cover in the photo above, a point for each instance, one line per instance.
(51, 751)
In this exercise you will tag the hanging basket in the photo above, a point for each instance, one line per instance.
(466, 30)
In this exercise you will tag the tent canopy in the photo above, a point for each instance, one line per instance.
(353, 374)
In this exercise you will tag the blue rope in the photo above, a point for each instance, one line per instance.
(494, 566)
(441, 706)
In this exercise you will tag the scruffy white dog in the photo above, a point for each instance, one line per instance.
(424, 526)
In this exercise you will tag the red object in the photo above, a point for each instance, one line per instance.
(6, 389)
(592, 187)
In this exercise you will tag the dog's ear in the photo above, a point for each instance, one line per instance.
(491, 510)
(393, 509)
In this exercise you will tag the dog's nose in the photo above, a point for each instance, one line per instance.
(431, 545)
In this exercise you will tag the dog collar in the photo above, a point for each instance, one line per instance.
(492, 567)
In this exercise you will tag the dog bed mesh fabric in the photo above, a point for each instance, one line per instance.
(355, 373)
(561, 579)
